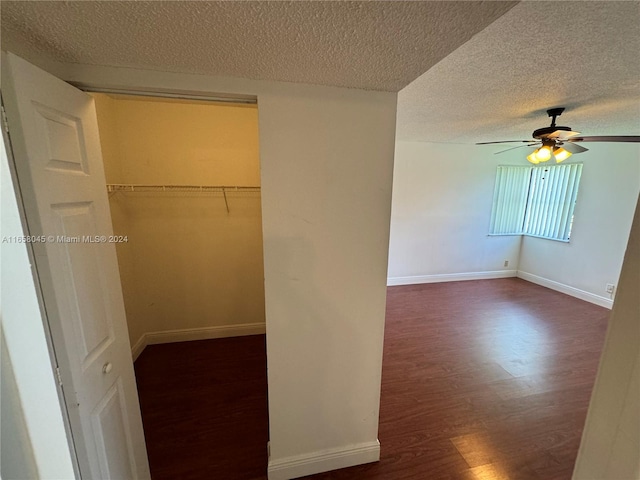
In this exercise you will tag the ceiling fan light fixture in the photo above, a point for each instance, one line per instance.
(561, 154)
(543, 153)
(559, 141)
(532, 157)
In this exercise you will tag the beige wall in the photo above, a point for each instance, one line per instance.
(155, 140)
(188, 263)
(610, 447)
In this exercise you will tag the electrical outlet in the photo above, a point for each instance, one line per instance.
(506, 263)
(610, 288)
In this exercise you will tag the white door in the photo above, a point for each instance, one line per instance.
(54, 135)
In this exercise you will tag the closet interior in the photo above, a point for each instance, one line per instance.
(183, 179)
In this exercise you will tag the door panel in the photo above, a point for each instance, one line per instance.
(110, 428)
(54, 135)
(93, 326)
(63, 134)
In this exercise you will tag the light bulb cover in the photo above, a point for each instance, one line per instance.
(532, 157)
(561, 154)
(543, 153)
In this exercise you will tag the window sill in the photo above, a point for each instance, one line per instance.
(562, 240)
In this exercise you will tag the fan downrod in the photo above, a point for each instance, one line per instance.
(543, 132)
(553, 113)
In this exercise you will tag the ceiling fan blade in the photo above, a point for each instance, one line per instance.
(619, 138)
(505, 141)
(513, 148)
(562, 134)
(573, 147)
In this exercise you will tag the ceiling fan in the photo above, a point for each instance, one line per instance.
(559, 141)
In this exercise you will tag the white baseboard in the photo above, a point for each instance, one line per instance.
(561, 287)
(323, 461)
(202, 333)
(456, 277)
(139, 347)
(449, 277)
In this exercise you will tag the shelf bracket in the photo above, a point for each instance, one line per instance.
(226, 204)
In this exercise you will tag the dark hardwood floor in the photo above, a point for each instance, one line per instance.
(483, 380)
(204, 408)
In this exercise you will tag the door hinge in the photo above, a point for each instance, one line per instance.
(58, 376)
(5, 123)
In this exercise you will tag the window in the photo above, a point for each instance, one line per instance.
(535, 201)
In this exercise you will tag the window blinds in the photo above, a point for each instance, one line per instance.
(509, 200)
(552, 198)
(535, 201)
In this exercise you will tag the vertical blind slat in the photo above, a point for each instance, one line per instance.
(509, 200)
(551, 208)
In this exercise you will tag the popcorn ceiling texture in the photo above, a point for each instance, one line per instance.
(584, 56)
(367, 45)
(490, 75)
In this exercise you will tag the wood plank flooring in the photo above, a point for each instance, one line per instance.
(482, 380)
(204, 408)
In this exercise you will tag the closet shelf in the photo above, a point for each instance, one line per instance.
(112, 188)
(115, 187)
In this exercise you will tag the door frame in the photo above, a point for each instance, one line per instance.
(60, 370)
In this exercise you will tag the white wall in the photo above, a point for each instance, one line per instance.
(610, 445)
(602, 220)
(441, 209)
(442, 196)
(327, 160)
(16, 454)
(190, 269)
(27, 353)
(326, 204)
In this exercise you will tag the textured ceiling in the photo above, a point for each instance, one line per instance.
(581, 55)
(369, 45)
(486, 74)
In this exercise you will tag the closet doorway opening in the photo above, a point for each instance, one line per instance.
(183, 179)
